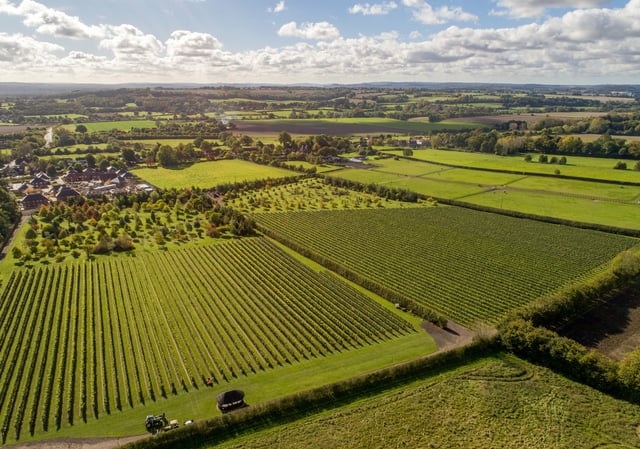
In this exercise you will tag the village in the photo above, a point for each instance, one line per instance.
(42, 190)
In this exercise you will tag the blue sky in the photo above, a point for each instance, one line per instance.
(329, 41)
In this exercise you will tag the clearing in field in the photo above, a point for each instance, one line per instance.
(210, 174)
(499, 402)
(467, 265)
(87, 340)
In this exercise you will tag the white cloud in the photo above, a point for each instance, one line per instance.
(20, 49)
(50, 21)
(128, 42)
(368, 9)
(537, 8)
(425, 13)
(280, 6)
(581, 46)
(314, 31)
(187, 44)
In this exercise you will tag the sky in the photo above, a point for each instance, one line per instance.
(320, 41)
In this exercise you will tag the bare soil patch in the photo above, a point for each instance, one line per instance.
(612, 328)
(453, 336)
(79, 443)
(312, 128)
(8, 129)
(529, 118)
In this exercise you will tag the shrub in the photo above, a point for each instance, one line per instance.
(620, 166)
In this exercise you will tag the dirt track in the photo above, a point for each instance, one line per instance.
(79, 443)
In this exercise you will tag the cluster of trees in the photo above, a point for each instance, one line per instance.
(515, 142)
(101, 226)
(9, 214)
(617, 124)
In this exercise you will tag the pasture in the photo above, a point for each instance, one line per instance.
(575, 208)
(586, 167)
(125, 333)
(496, 402)
(346, 126)
(209, 174)
(467, 265)
(124, 125)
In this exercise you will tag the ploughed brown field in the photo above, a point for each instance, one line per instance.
(8, 129)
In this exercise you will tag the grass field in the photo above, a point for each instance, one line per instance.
(587, 167)
(590, 202)
(566, 207)
(346, 126)
(210, 174)
(467, 265)
(499, 402)
(124, 125)
(136, 332)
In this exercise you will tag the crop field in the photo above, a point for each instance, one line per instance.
(567, 207)
(346, 126)
(498, 402)
(124, 125)
(82, 341)
(210, 174)
(597, 168)
(467, 265)
(310, 194)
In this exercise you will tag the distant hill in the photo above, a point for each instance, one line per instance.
(32, 89)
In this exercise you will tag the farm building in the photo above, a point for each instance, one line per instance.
(65, 192)
(33, 201)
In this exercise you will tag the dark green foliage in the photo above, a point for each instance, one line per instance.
(9, 214)
(620, 165)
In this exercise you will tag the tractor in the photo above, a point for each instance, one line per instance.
(159, 423)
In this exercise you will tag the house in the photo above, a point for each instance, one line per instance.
(33, 201)
(39, 183)
(65, 192)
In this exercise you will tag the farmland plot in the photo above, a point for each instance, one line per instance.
(467, 265)
(83, 340)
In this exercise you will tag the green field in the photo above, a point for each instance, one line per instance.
(347, 126)
(585, 201)
(565, 207)
(499, 402)
(135, 332)
(124, 125)
(586, 167)
(210, 174)
(467, 265)
(422, 185)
